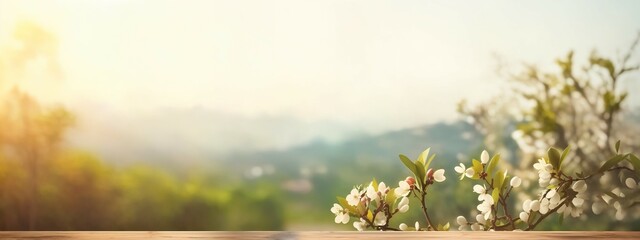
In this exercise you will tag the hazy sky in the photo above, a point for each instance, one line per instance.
(376, 64)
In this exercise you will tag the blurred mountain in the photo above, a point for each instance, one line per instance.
(374, 154)
(172, 136)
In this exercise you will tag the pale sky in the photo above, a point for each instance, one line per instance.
(379, 65)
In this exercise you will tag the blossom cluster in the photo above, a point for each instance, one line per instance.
(559, 193)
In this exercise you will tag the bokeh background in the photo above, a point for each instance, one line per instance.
(254, 115)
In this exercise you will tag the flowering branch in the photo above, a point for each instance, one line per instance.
(562, 193)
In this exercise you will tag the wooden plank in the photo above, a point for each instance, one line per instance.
(318, 235)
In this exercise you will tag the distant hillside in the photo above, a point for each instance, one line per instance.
(445, 139)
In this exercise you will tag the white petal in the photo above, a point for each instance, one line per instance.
(630, 183)
(461, 220)
(598, 207)
(515, 182)
(404, 209)
(359, 225)
(401, 192)
(526, 206)
(403, 227)
(417, 225)
(382, 188)
(469, 172)
(480, 219)
(459, 169)
(555, 199)
(551, 193)
(617, 192)
(577, 201)
(524, 216)
(535, 205)
(476, 227)
(488, 215)
(404, 201)
(579, 186)
(336, 208)
(479, 189)
(381, 219)
(544, 206)
(439, 175)
(371, 193)
(606, 198)
(345, 218)
(484, 157)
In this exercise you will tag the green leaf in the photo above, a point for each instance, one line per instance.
(409, 164)
(492, 164)
(564, 155)
(477, 168)
(370, 215)
(423, 156)
(421, 173)
(445, 227)
(554, 158)
(495, 194)
(391, 197)
(618, 146)
(633, 159)
(498, 181)
(374, 183)
(611, 162)
(429, 161)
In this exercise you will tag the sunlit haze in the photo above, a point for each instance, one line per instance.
(369, 66)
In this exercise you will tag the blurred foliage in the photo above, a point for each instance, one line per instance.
(579, 105)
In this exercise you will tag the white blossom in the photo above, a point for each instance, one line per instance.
(535, 205)
(544, 205)
(579, 186)
(469, 172)
(380, 219)
(598, 207)
(631, 183)
(382, 189)
(485, 209)
(372, 193)
(403, 226)
(360, 225)
(482, 191)
(476, 227)
(403, 205)
(461, 220)
(460, 169)
(342, 216)
(526, 206)
(524, 216)
(417, 226)
(480, 219)
(484, 157)
(438, 175)
(515, 182)
(403, 189)
(353, 198)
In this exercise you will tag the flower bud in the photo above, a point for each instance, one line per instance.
(411, 181)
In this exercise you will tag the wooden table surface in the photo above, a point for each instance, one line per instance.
(319, 235)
